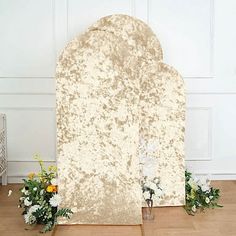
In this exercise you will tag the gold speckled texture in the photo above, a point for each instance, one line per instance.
(98, 135)
(113, 91)
(162, 126)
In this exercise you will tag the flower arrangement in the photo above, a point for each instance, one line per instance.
(40, 200)
(150, 188)
(199, 194)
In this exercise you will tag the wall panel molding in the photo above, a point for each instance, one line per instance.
(40, 58)
(25, 101)
(25, 138)
(158, 4)
(198, 157)
(31, 86)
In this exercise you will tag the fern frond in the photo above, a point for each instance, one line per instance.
(64, 212)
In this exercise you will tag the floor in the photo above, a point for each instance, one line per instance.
(169, 221)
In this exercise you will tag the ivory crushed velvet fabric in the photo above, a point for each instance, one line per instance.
(115, 100)
(162, 126)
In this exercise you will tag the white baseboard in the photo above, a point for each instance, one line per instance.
(229, 176)
(15, 167)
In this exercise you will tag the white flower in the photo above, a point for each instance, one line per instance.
(211, 197)
(9, 193)
(205, 188)
(149, 167)
(29, 217)
(156, 180)
(146, 195)
(54, 181)
(27, 202)
(22, 198)
(150, 185)
(204, 184)
(207, 200)
(194, 208)
(34, 208)
(35, 189)
(195, 178)
(41, 192)
(26, 192)
(55, 200)
(158, 192)
(192, 184)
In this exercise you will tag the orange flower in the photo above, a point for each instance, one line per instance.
(54, 189)
(31, 175)
(51, 189)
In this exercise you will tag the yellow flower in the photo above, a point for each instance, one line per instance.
(52, 168)
(42, 179)
(31, 175)
(51, 189)
(192, 194)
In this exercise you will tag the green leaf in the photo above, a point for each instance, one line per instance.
(48, 227)
(64, 212)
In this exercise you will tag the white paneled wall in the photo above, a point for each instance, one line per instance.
(198, 39)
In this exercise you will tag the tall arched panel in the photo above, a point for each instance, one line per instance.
(115, 100)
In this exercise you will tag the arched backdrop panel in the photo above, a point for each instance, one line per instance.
(162, 127)
(97, 112)
(105, 109)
